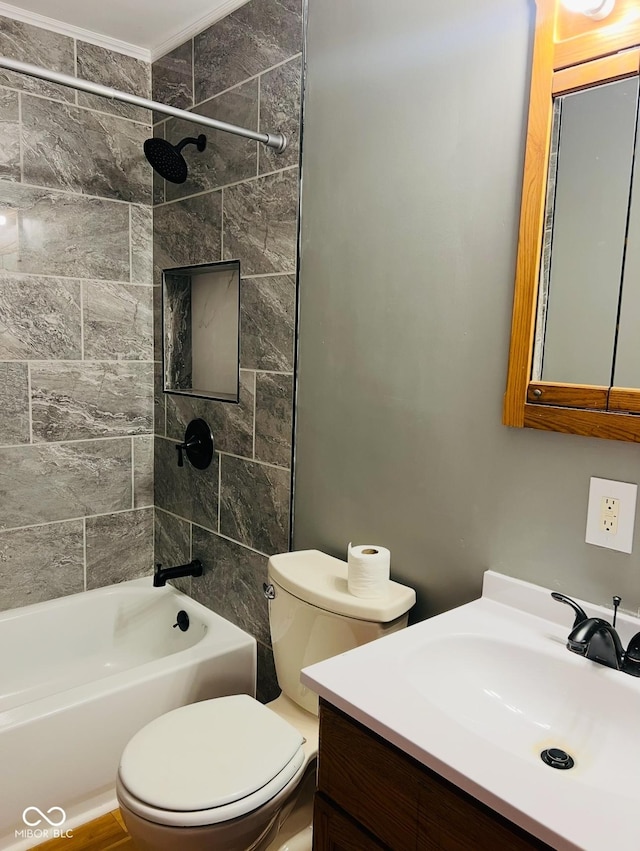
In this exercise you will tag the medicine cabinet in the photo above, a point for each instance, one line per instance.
(574, 359)
(201, 330)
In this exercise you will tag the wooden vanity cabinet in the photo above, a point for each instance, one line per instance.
(373, 797)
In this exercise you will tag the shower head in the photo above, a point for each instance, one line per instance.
(167, 159)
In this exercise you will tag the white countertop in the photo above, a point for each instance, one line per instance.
(476, 693)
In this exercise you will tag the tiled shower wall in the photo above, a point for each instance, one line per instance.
(239, 203)
(76, 323)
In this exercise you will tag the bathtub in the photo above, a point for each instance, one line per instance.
(79, 675)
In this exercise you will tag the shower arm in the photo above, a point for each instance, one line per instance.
(277, 141)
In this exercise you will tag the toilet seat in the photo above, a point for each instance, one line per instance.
(209, 762)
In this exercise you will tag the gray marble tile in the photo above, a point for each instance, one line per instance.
(62, 481)
(254, 504)
(158, 182)
(69, 148)
(9, 135)
(231, 424)
(274, 413)
(187, 232)
(267, 322)
(64, 234)
(14, 411)
(185, 491)
(38, 46)
(172, 540)
(40, 318)
(78, 401)
(122, 72)
(142, 471)
(119, 547)
(267, 680)
(41, 563)
(255, 37)
(118, 321)
(157, 324)
(172, 78)
(159, 400)
(178, 336)
(280, 113)
(9, 237)
(260, 223)
(141, 245)
(231, 584)
(227, 158)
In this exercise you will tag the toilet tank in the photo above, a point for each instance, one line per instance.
(313, 616)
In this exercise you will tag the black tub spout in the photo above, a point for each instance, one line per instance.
(194, 568)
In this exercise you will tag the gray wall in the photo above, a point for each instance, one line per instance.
(240, 202)
(412, 166)
(76, 324)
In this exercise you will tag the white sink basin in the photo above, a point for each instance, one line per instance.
(477, 694)
(525, 700)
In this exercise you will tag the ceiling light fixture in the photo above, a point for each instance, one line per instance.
(594, 9)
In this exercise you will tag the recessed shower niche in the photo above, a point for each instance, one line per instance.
(201, 330)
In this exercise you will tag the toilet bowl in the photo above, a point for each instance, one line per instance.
(228, 774)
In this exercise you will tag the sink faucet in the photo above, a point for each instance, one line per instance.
(194, 568)
(598, 640)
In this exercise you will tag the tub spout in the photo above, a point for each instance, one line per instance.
(193, 568)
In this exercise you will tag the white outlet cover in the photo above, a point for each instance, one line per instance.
(626, 494)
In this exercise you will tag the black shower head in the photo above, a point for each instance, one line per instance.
(167, 159)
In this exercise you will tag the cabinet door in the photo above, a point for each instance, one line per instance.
(333, 831)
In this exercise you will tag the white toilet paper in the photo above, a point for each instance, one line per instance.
(368, 570)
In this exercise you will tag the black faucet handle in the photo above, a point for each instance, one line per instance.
(580, 614)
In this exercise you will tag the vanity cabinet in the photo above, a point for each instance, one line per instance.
(373, 797)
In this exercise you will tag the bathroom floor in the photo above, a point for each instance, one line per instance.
(106, 833)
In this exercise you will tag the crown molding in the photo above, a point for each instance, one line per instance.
(221, 10)
(44, 22)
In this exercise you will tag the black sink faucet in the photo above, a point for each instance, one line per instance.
(598, 640)
(193, 568)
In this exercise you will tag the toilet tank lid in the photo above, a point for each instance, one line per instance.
(321, 580)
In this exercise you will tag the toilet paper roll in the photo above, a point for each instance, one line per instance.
(368, 570)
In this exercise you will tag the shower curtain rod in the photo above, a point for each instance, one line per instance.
(277, 141)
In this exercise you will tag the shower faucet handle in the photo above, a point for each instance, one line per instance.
(198, 445)
(185, 447)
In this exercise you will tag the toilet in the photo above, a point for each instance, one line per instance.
(231, 774)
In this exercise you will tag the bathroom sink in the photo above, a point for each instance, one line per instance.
(479, 693)
(526, 699)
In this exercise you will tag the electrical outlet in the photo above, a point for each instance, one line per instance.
(609, 508)
(611, 514)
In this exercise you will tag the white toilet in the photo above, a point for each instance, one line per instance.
(231, 774)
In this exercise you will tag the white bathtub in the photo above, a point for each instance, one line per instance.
(79, 675)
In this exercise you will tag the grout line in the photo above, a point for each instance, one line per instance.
(255, 387)
(258, 144)
(133, 475)
(25, 277)
(75, 69)
(77, 361)
(222, 224)
(224, 186)
(73, 519)
(44, 443)
(239, 457)
(76, 195)
(190, 541)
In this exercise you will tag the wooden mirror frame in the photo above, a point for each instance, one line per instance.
(571, 51)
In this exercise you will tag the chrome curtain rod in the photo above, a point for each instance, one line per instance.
(277, 141)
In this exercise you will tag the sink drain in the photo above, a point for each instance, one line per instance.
(557, 758)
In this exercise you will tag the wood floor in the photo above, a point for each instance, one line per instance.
(106, 833)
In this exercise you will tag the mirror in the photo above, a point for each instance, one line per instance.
(573, 364)
(201, 330)
(587, 213)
